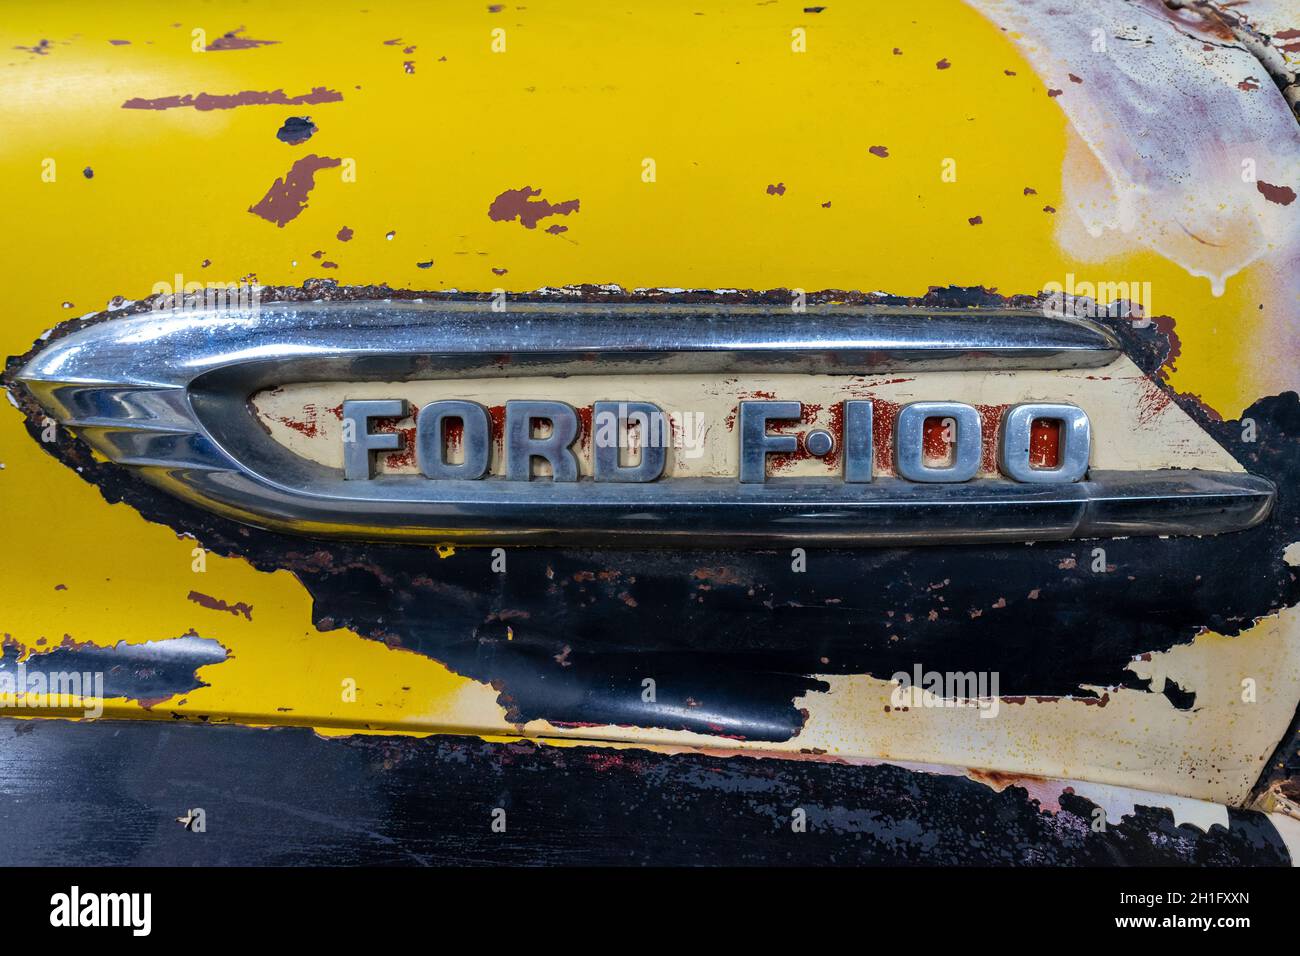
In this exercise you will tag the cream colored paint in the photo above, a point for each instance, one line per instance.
(1137, 740)
(1288, 828)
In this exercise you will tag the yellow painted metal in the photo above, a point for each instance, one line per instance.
(580, 103)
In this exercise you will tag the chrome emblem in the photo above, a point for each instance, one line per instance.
(168, 394)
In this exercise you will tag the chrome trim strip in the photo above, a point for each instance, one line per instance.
(166, 392)
(724, 512)
(284, 343)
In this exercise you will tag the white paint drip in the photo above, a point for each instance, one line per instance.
(1169, 138)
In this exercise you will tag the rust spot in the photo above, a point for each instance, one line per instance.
(229, 101)
(1165, 326)
(453, 432)
(497, 424)
(308, 426)
(976, 220)
(519, 204)
(1101, 701)
(881, 151)
(999, 780)
(1051, 209)
(287, 197)
(216, 604)
(718, 575)
(1282, 195)
(777, 190)
(1044, 443)
(1073, 78)
(344, 234)
(836, 414)
(40, 49)
(406, 457)
(884, 415)
(942, 64)
(120, 42)
(1031, 191)
(1054, 93)
(584, 413)
(1249, 84)
(1152, 401)
(934, 443)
